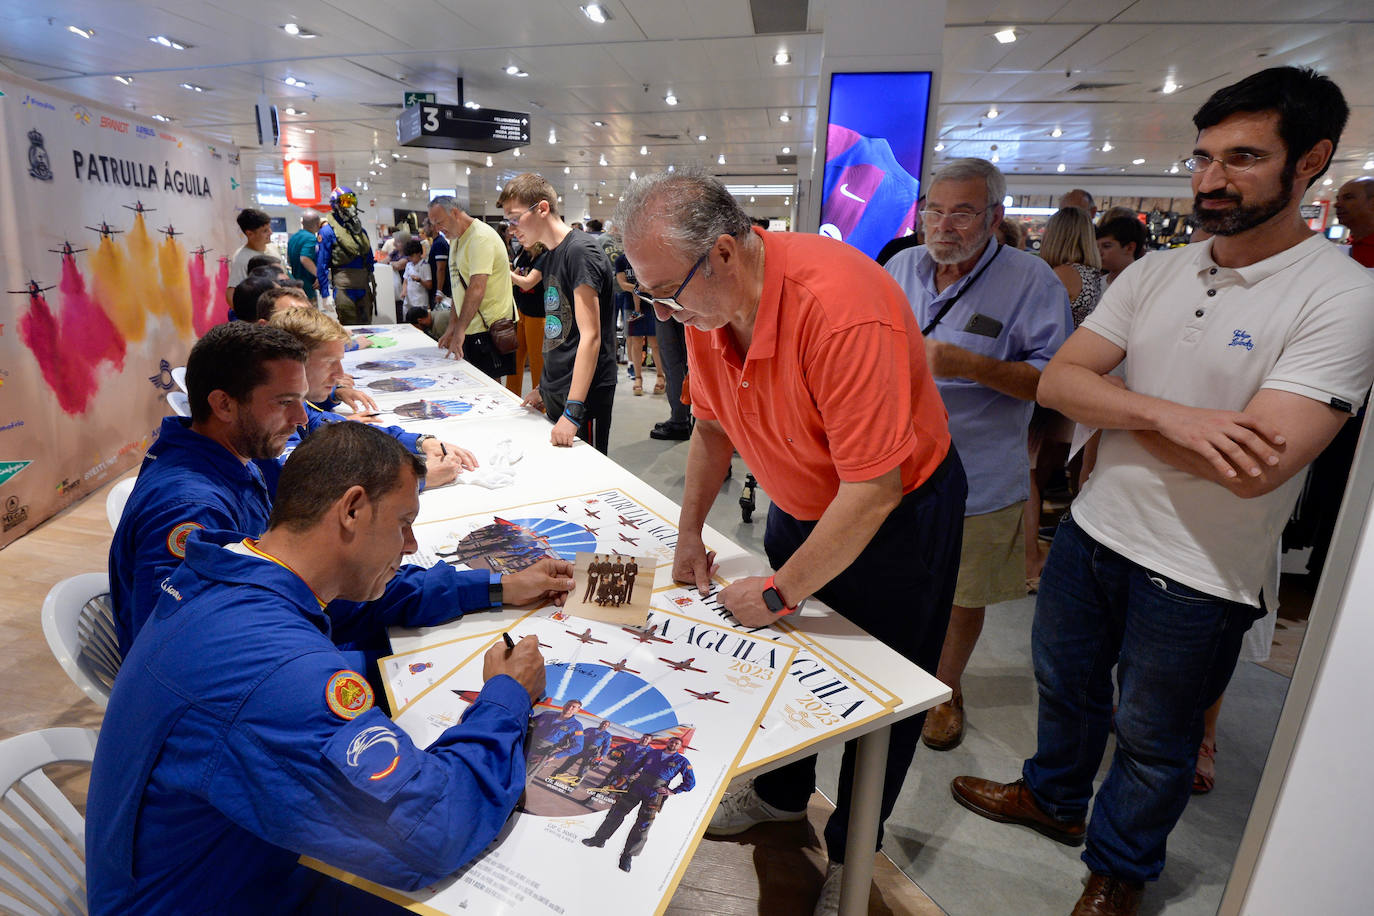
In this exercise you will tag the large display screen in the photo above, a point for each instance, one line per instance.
(874, 142)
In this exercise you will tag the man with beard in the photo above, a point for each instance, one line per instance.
(1244, 355)
(992, 317)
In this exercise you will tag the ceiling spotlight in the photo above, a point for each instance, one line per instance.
(295, 111)
(1005, 36)
(673, 168)
(1368, 164)
(172, 43)
(372, 172)
(1137, 162)
(516, 153)
(310, 130)
(702, 138)
(291, 28)
(393, 155)
(1327, 182)
(787, 201)
(292, 81)
(1169, 86)
(194, 88)
(782, 57)
(721, 159)
(575, 186)
(1107, 147)
(1173, 169)
(472, 105)
(598, 124)
(567, 170)
(643, 151)
(1057, 132)
(597, 13)
(424, 186)
(403, 195)
(126, 80)
(163, 118)
(670, 98)
(784, 117)
(77, 30)
(1060, 167)
(993, 112)
(939, 147)
(601, 160)
(786, 150)
(996, 158)
(467, 170)
(751, 198)
(633, 176)
(553, 136)
(512, 70)
(488, 162)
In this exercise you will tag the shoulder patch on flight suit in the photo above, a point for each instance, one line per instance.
(348, 694)
(374, 755)
(176, 538)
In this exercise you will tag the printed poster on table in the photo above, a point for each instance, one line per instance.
(628, 756)
(116, 233)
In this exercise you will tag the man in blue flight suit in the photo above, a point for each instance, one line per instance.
(649, 791)
(555, 731)
(595, 743)
(238, 737)
(218, 470)
(632, 760)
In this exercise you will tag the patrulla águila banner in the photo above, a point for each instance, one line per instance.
(116, 232)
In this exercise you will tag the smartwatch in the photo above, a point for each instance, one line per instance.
(495, 593)
(576, 411)
(774, 600)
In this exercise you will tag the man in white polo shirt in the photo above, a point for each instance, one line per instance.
(1246, 354)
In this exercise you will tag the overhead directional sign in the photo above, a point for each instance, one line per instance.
(484, 130)
(415, 98)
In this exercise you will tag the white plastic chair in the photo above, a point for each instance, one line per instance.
(116, 498)
(179, 403)
(42, 835)
(179, 376)
(79, 627)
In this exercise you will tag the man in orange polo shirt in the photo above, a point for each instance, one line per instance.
(806, 358)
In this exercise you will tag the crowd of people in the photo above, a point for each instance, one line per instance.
(896, 433)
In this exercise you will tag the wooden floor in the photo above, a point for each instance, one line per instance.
(770, 870)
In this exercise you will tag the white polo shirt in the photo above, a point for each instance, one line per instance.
(1207, 336)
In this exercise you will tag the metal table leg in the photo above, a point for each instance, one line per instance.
(865, 808)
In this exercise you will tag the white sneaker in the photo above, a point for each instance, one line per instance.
(828, 903)
(742, 810)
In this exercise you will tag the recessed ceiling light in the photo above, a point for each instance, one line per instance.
(163, 118)
(295, 111)
(403, 195)
(471, 104)
(598, 124)
(297, 31)
(1107, 147)
(1169, 86)
(513, 70)
(784, 117)
(1005, 36)
(996, 158)
(1328, 182)
(1173, 169)
(567, 170)
(673, 168)
(193, 87)
(173, 43)
(467, 170)
(372, 172)
(1137, 162)
(597, 13)
(292, 81)
(940, 147)
(751, 198)
(488, 162)
(786, 150)
(702, 138)
(1368, 164)
(424, 186)
(787, 201)
(1060, 167)
(574, 186)
(721, 159)
(77, 30)
(553, 136)
(516, 152)
(1057, 132)
(393, 155)
(633, 176)
(782, 57)
(670, 98)
(643, 151)
(310, 130)
(602, 160)
(126, 80)
(993, 112)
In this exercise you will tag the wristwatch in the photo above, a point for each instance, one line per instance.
(420, 442)
(575, 411)
(495, 593)
(774, 600)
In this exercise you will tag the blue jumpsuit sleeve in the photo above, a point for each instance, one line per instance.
(415, 597)
(408, 439)
(689, 778)
(357, 793)
(322, 255)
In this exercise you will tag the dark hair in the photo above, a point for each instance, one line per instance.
(267, 302)
(246, 295)
(259, 261)
(250, 219)
(232, 358)
(415, 313)
(414, 246)
(290, 283)
(330, 461)
(1124, 230)
(1311, 108)
(594, 225)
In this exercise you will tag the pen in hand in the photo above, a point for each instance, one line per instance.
(510, 643)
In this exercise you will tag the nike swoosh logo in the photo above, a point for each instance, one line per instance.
(844, 189)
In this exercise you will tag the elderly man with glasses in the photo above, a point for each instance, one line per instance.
(992, 317)
(806, 358)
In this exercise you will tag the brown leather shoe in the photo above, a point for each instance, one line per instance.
(1013, 803)
(944, 727)
(1108, 896)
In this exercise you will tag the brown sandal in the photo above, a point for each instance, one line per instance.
(660, 386)
(639, 387)
(1205, 776)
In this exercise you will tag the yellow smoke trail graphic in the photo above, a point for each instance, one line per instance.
(113, 289)
(176, 284)
(143, 270)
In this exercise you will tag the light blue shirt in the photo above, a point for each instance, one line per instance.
(1018, 311)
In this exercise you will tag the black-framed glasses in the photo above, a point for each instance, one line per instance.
(1231, 162)
(959, 219)
(670, 302)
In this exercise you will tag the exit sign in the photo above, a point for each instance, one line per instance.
(415, 98)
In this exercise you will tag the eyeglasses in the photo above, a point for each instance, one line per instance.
(1231, 162)
(959, 219)
(517, 217)
(670, 302)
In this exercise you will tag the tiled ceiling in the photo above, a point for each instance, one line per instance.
(366, 55)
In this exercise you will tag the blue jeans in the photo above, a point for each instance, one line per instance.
(1174, 649)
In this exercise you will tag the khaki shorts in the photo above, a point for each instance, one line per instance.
(992, 563)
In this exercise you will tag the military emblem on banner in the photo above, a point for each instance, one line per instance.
(39, 166)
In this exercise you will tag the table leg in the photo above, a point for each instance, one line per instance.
(865, 809)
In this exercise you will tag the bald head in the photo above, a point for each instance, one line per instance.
(1081, 200)
(1355, 206)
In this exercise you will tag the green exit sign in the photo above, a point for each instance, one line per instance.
(415, 98)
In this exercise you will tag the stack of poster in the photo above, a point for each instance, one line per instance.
(421, 383)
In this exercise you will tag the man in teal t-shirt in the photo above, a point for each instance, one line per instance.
(300, 252)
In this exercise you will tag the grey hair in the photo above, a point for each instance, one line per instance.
(690, 207)
(968, 169)
(448, 202)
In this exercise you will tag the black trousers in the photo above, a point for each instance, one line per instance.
(478, 350)
(596, 428)
(899, 590)
(672, 346)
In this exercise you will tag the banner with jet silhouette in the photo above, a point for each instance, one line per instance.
(116, 232)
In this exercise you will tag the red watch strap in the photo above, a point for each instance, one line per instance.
(786, 610)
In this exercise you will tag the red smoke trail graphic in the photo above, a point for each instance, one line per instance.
(90, 333)
(221, 284)
(202, 297)
(71, 376)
